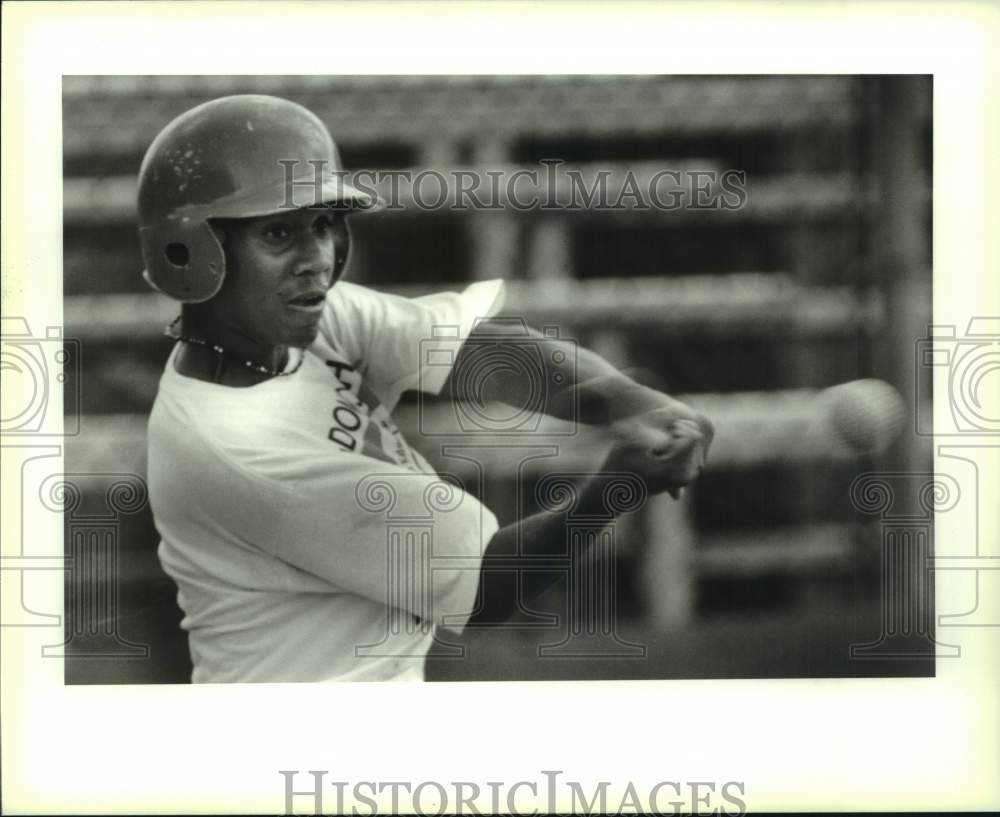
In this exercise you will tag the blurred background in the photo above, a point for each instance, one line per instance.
(766, 568)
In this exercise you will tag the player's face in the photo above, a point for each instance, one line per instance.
(278, 270)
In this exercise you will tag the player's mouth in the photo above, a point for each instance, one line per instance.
(310, 302)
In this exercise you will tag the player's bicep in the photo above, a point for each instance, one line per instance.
(402, 539)
(500, 361)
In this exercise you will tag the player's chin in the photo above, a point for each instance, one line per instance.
(299, 327)
(304, 339)
(301, 336)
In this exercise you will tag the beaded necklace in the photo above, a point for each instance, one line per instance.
(171, 332)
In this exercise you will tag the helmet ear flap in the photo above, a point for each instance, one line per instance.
(183, 259)
(343, 242)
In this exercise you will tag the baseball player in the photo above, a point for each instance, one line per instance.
(273, 456)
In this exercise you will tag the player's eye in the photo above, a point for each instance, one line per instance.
(324, 224)
(276, 231)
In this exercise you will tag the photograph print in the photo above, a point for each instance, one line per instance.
(461, 378)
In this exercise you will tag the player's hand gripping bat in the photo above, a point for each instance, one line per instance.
(667, 447)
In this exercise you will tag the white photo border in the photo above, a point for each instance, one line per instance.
(861, 744)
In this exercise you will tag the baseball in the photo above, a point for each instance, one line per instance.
(868, 415)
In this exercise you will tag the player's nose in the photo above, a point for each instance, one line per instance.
(315, 256)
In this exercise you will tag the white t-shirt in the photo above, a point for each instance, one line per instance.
(308, 541)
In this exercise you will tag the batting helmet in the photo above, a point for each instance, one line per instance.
(234, 157)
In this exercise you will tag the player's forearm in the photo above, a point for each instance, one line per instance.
(530, 554)
(584, 386)
(658, 452)
(576, 383)
(603, 399)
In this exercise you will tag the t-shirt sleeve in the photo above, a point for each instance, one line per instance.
(407, 540)
(403, 344)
